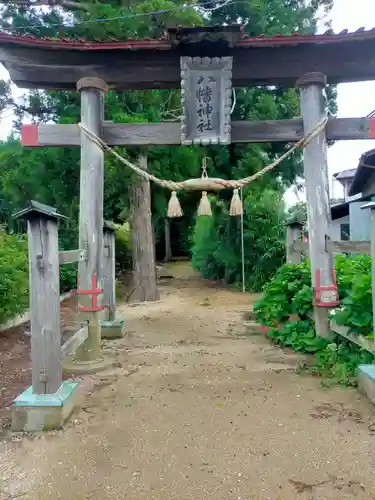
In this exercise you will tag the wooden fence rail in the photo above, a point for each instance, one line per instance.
(71, 256)
(344, 331)
(362, 247)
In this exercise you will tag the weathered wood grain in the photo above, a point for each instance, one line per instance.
(371, 205)
(44, 283)
(293, 233)
(71, 345)
(300, 246)
(71, 256)
(91, 217)
(362, 247)
(274, 64)
(167, 239)
(317, 196)
(361, 341)
(109, 275)
(143, 245)
(169, 133)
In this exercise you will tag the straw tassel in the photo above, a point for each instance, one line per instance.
(235, 204)
(174, 207)
(204, 207)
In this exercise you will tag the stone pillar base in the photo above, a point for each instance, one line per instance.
(366, 381)
(44, 412)
(112, 329)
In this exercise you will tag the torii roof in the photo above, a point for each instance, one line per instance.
(143, 64)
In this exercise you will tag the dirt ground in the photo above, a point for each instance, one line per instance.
(196, 407)
(15, 365)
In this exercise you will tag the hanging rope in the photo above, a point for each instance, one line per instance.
(206, 183)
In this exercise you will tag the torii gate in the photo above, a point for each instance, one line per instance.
(94, 67)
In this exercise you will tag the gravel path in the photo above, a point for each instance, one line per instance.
(197, 408)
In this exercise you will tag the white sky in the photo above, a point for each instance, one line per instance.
(354, 99)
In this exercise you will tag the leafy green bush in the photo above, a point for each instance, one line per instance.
(298, 335)
(123, 247)
(68, 277)
(348, 269)
(68, 240)
(289, 292)
(337, 363)
(14, 275)
(216, 242)
(356, 307)
(354, 282)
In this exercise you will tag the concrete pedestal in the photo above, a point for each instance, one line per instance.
(112, 329)
(366, 381)
(44, 412)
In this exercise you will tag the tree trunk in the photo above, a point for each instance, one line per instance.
(143, 248)
(167, 233)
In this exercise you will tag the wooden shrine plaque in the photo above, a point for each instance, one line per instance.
(206, 96)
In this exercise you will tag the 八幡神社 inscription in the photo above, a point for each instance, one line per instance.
(206, 98)
(204, 105)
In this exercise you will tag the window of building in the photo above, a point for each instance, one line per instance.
(345, 232)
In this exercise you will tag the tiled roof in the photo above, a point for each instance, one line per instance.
(363, 173)
(165, 43)
(345, 174)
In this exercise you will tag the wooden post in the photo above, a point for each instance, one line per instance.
(109, 272)
(91, 212)
(167, 237)
(293, 233)
(317, 193)
(44, 289)
(371, 205)
(143, 248)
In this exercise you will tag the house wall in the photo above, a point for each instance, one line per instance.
(335, 228)
(360, 221)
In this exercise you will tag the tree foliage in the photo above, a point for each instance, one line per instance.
(216, 250)
(13, 276)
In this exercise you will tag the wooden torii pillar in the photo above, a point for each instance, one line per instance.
(313, 111)
(90, 271)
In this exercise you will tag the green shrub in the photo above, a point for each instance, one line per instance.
(348, 269)
(354, 282)
(299, 336)
(68, 240)
(337, 363)
(216, 242)
(14, 276)
(356, 308)
(68, 277)
(289, 292)
(123, 247)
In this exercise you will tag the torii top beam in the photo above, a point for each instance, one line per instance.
(155, 64)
